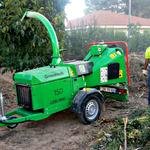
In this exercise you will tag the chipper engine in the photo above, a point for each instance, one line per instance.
(82, 85)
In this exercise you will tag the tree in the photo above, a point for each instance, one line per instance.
(26, 44)
(113, 5)
(139, 7)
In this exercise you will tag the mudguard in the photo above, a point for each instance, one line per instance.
(81, 95)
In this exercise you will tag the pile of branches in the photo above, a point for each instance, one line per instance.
(137, 133)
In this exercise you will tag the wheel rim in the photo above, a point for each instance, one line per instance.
(11, 126)
(91, 110)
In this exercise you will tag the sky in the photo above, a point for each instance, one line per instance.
(75, 9)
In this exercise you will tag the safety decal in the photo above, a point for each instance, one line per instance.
(82, 68)
(107, 89)
(112, 56)
(120, 73)
(71, 73)
(104, 74)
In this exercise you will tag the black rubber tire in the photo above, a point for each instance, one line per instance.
(82, 115)
(12, 126)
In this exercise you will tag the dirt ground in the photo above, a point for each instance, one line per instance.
(61, 131)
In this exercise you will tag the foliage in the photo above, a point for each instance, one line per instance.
(138, 129)
(139, 7)
(139, 41)
(113, 5)
(77, 40)
(25, 44)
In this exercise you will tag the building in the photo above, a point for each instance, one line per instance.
(108, 19)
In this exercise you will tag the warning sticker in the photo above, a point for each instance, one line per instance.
(104, 74)
(71, 72)
(120, 73)
(107, 89)
(112, 56)
(82, 69)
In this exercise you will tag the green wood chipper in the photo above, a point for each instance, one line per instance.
(82, 85)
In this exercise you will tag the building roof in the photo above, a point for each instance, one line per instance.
(106, 18)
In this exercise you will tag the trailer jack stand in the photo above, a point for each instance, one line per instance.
(3, 118)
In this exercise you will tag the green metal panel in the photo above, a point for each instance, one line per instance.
(41, 75)
(78, 83)
(105, 57)
(54, 94)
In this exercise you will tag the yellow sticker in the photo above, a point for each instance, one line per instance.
(112, 55)
(71, 72)
(87, 89)
(120, 73)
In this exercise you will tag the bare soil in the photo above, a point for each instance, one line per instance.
(63, 131)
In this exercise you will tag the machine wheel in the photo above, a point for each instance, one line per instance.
(90, 109)
(12, 126)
